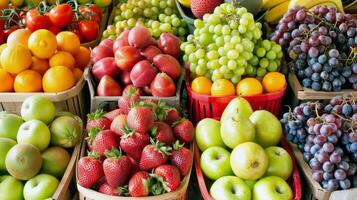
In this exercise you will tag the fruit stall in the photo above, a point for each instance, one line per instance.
(178, 99)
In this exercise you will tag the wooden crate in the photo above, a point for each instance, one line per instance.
(103, 26)
(320, 193)
(88, 194)
(71, 100)
(350, 5)
(302, 93)
(110, 102)
(67, 178)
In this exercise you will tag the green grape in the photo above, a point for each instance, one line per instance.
(261, 72)
(229, 46)
(232, 54)
(167, 19)
(239, 71)
(271, 55)
(248, 45)
(200, 70)
(241, 11)
(213, 19)
(242, 29)
(244, 21)
(241, 61)
(239, 48)
(128, 14)
(257, 34)
(222, 51)
(155, 10)
(235, 79)
(228, 75)
(192, 58)
(247, 55)
(254, 61)
(192, 68)
(131, 22)
(215, 64)
(165, 27)
(258, 25)
(105, 34)
(218, 29)
(266, 44)
(168, 11)
(226, 30)
(202, 62)
(276, 48)
(181, 31)
(260, 52)
(117, 18)
(183, 46)
(200, 53)
(249, 35)
(223, 60)
(171, 3)
(218, 10)
(147, 12)
(230, 9)
(111, 29)
(227, 38)
(190, 48)
(273, 66)
(199, 23)
(279, 55)
(235, 40)
(232, 64)
(162, 4)
(264, 63)
(155, 24)
(219, 41)
(235, 32)
(205, 38)
(233, 24)
(185, 58)
(217, 74)
(212, 55)
(176, 22)
(212, 46)
(162, 17)
(250, 70)
(211, 29)
(223, 69)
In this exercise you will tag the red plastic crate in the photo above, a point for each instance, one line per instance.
(206, 106)
(294, 180)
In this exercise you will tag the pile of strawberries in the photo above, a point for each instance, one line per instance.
(137, 150)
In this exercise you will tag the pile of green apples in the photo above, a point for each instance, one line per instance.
(240, 154)
(33, 149)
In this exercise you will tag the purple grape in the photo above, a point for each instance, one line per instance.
(323, 157)
(340, 174)
(317, 128)
(343, 27)
(316, 86)
(337, 109)
(333, 62)
(330, 118)
(343, 165)
(338, 150)
(328, 147)
(347, 109)
(314, 148)
(345, 184)
(307, 156)
(352, 169)
(328, 166)
(313, 52)
(327, 176)
(324, 75)
(354, 147)
(332, 185)
(317, 175)
(323, 30)
(300, 15)
(333, 53)
(335, 158)
(333, 139)
(320, 140)
(354, 68)
(315, 164)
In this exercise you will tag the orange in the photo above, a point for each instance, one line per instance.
(7, 81)
(201, 85)
(77, 74)
(58, 79)
(4, 3)
(15, 58)
(28, 81)
(222, 87)
(42, 43)
(39, 65)
(273, 82)
(249, 86)
(82, 58)
(2, 47)
(20, 36)
(68, 41)
(62, 58)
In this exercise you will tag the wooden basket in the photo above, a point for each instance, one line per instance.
(103, 26)
(320, 193)
(63, 186)
(302, 93)
(71, 100)
(110, 102)
(88, 194)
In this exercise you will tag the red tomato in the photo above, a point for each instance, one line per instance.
(79, 34)
(61, 15)
(2, 37)
(10, 30)
(35, 21)
(89, 29)
(94, 8)
(90, 14)
(54, 29)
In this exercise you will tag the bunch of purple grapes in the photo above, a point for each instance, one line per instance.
(317, 43)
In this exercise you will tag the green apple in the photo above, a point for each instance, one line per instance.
(9, 125)
(10, 188)
(237, 105)
(23, 161)
(249, 161)
(102, 3)
(214, 163)
(280, 162)
(38, 107)
(208, 134)
(5, 145)
(84, 1)
(64, 113)
(236, 130)
(34, 132)
(230, 188)
(55, 161)
(268, 129)
(42, 186)
(250, 183)
(272, 187)
(65, 132)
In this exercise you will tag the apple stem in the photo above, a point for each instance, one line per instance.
(255, 164)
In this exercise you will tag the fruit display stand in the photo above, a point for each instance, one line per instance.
(110, 102)
(204, 183)
(187, 19)
(303, 94)
(88, 194)
(103, 25)
(71, 100)
(318, 192)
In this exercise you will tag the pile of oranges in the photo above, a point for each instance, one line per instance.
(271, 82)
(41, 61)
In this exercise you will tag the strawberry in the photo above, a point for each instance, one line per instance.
(172, 115)
(131, 95)
(90, 170)
(184, 130)
(132, 143)
(105, 188)
(154, 155)
(139, 184)
(112, 114)
(118, 124)
(116, 167)
(201, 7)
(169, 176)
(102, 141)
(97, 120)
(134, 166)
(182, 158)
(141, 118)
(162, 133)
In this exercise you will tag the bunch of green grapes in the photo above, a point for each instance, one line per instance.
(157, 15)
(223, 43)
(267, 58)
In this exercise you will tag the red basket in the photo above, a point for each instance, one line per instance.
(294, 180)
(206, 106)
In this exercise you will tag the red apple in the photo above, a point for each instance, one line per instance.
(147, 90)
(142, 73)
(150, 52)
(108, 87)
(139, 37)
(107, 42)
(100, 52)
(168, 64)
(162, 86)
(124, 34)
(118, 43)
(105, 66)
(126, 57)
(124, 78)
(170, 44)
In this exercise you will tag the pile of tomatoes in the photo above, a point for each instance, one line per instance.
(84, 20)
